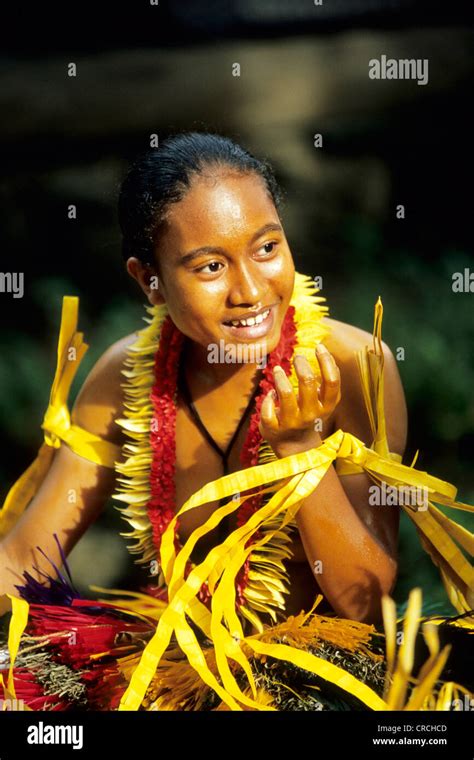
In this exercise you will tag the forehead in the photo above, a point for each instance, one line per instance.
(220, 206)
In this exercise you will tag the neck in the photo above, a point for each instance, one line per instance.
(224, 365)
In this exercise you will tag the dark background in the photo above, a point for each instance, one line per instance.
(145, 69)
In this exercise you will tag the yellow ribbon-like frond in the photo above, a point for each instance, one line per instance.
(17, 626)
(299, 475)
(57, 424)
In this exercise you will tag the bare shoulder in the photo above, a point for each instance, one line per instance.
(100, 401)
(344, 341)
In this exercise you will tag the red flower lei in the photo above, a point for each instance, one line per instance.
(161, 506)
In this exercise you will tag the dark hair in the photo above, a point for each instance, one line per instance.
(162, 176)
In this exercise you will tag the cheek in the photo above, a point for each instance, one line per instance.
(281, 271)
(191, 312)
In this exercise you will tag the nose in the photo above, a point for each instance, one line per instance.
(246, 287)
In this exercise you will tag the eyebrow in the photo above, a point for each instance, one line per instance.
(187, 257)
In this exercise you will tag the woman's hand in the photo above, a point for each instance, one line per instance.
(290, 427)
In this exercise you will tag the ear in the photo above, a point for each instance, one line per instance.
(147, 277)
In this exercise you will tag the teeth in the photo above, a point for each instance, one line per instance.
(251, 320)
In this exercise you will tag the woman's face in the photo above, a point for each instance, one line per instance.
(222, 258)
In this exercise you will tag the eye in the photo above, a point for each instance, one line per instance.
(212, 267)
(268, 247)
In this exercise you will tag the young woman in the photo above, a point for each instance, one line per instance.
(239, 367)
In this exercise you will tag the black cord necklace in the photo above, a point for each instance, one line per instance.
(183, 388)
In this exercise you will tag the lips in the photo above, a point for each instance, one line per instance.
(250, 327)
(250, 321)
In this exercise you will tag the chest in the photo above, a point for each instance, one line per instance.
(198, 463)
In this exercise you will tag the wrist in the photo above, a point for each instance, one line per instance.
(288, 448)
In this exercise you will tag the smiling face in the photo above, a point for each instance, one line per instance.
(222, 258)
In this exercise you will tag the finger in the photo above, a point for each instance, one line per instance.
(307, 389)
(330, 378)
(288, 406)
(268, 412)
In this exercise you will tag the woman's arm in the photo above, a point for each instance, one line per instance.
(70, 498)
(74, 490)
(350, 545)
